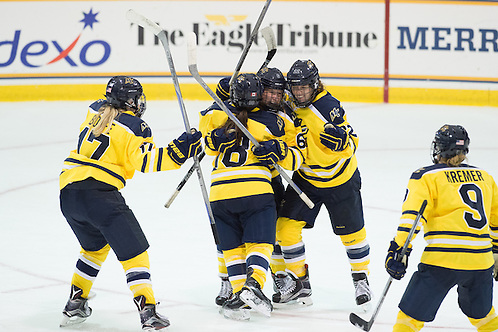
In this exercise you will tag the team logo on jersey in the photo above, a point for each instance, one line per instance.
(335, 113)
(144, 126)
(280, 123)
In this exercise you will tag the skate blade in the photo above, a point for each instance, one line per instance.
(294, 304)
(247, 297)
(70, 321)
(238, 314)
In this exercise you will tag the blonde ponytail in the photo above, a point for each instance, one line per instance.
(103, 119)
(456, 160)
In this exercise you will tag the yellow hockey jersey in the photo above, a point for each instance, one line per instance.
(238, 172)
(113, 156)
(462, 210)
(323, 167)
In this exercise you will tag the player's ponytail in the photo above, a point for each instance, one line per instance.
(242, 116)
(106, 115)
(455, 161)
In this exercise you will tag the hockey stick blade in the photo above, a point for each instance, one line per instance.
(360, 322)
(269, 37)
(271, 43)
(144, 22)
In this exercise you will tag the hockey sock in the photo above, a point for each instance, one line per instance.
(88, 267)
(295, 259)
(358, 250)
(138, 276)
(258, 258)
(405, 323)
(235, 260)
(277, 262)
(222, 268)
(486, 324)
(289, 236)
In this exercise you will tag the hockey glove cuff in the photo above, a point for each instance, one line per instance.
(334, 137)
(186, 146)
(395, 265)
(270, 152)
(220, 140)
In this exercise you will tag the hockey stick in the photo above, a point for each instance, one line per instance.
(161, 34)
(269, 37)
(367, 325)
(271, 43)
(192, 67)
(254, 33)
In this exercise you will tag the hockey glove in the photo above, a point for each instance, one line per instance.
(334, 137)
(270, 152)
(219, 140)
(495, 272)
(394, 266)
(186, 146)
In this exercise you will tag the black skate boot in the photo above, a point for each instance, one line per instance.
(76, 310)
(363, 294)
(234, 308)
(253, 296)
(149, 318)
(225, 291)
(292, 291)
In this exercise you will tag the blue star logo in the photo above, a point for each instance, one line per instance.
(89, 19)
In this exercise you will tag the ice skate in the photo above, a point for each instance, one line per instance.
(363, 294)
(236, 309)
(76, 310)
(253, 296)
(225, 291)
(149, 318)
(292, 291)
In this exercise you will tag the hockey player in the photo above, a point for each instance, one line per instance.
(274, 84)
(461, 229)
(329, 176)
(272, 100)
(241, 194)
(114, 142)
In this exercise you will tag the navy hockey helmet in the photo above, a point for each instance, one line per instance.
(122, 92)
(272, 78)
(449, 141)
(246, 91)
(304, 72)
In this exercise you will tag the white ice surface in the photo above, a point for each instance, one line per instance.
(39, 251)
